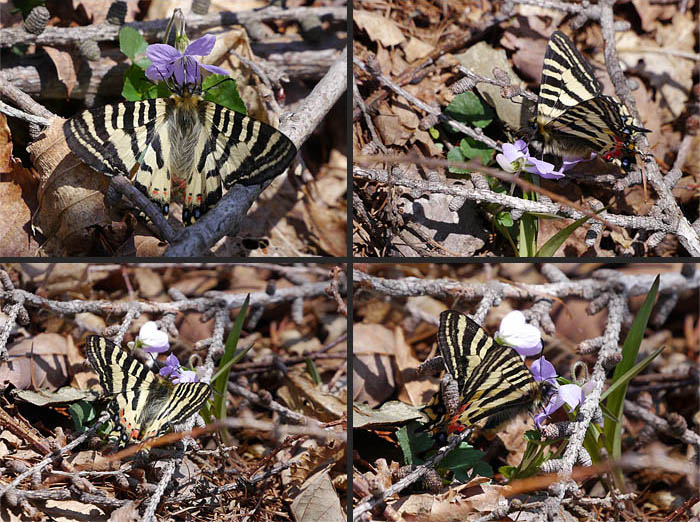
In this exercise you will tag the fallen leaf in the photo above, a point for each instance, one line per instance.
(318, 501)
(416, 49)
(378, 28)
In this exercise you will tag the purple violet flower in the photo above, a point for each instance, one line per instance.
(168, 62)
(173, 370)
(543, 169)
(516, 333)
(172, 365)
(571, 394)
(514, 156)
(151, 339)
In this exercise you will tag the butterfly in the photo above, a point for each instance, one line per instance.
(574, 118)
(493, 383)
(143, 404)
(182, 147)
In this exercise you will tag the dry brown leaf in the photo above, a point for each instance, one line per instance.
(301, 394)
(412, 390)
(372, 371)
(71, 199)
(328, 227)
(390, 128)
(65, 68)
(416, 49)
(148, 246)
(191, 328)
(315, 458)
(5, 146)
(378, 28)
(317, 501)
(36, 363)
(149, 282)
(15, 215)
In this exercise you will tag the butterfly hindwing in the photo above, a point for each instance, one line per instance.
(145, 405)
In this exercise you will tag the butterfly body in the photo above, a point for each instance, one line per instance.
(143, 404)
(181, 148)
(574, 118)
(493, 381)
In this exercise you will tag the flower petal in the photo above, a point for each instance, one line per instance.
(543, 370)
(571, 394)
(160, 54)
(187, 376)
(152, 339)
(513, 152)
(201, 46)
(504, 163)
(156, 73)
(515, 332)
(214, 69)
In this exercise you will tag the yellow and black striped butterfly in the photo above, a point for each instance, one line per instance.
(180, 148)
(494, 384)
(143, 404)
(574, 118)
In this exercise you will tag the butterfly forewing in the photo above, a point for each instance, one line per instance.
(118, 371)
(146, 405)
(567, 79)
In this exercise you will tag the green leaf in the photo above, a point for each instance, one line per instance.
(434, 133)
(82, 413)
(553, 243)
(615, 403)
(312, 371)
(131, 43)
(454, 154)
(527, 240)
(230, 357)
(225, 93)
(474, 149)
(504, 219)
(413, 444)
(468, 108)
(138, 87)
(463, 459)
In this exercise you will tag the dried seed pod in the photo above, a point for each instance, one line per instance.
(677, 423)
(36, 20)
(117, 13)
(90, 50)
(462, 85)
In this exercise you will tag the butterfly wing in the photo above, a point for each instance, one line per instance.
(161, 412)
(493, 380)
(567, 79)
(236, 149)
(118, 371)
(144, 405)
(119, 138)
